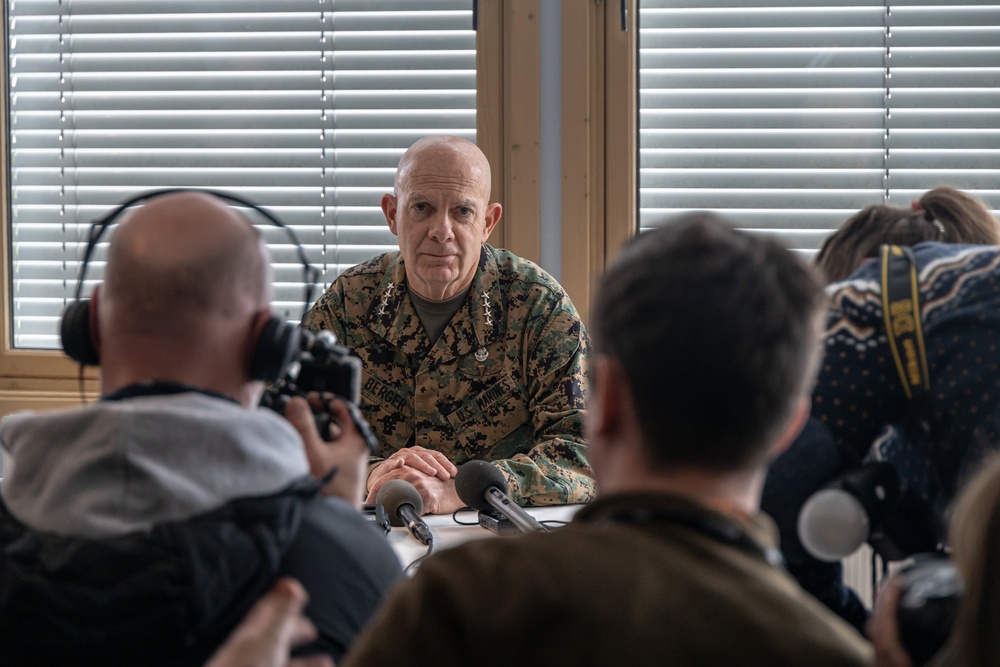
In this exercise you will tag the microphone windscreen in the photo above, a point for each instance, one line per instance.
(833, 524)
(472, 480)
(394, 494)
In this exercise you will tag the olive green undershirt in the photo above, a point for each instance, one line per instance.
(435, 315)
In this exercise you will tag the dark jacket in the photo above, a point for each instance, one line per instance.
(105, 558)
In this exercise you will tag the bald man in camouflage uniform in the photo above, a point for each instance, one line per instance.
(469, 352)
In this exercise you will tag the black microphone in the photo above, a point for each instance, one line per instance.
(403, 506)
(868, 504)
(481, 486)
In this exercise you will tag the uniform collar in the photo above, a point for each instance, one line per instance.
(477, 323)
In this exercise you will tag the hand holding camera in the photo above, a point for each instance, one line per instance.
(319, 396)
(341, 460)
(929, 592)
(322, 366)
(915, 612)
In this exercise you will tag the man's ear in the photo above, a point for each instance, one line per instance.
(606, 411)
(257, 323)
(493, 213)
(613, 439)
(795, 423)
(389, 210)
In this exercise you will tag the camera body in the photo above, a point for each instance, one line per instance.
(324, 366)
(929, 593)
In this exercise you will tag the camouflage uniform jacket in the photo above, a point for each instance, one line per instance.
(505, 382)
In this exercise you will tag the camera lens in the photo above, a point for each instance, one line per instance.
(928, 604)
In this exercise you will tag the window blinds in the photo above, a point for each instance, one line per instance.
(301, 106)
(789, 116)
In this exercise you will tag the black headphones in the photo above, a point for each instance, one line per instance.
(279, 340)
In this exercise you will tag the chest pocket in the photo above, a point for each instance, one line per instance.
(388, 412)
(489, 416)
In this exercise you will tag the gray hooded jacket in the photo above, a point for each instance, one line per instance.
(140, 530)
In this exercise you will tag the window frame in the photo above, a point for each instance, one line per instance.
(598, 142)
(901, 181)
(39, 379)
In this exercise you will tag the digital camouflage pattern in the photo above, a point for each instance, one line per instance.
(505, 382)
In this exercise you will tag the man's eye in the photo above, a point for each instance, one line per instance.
(465, 210)
(420, 207)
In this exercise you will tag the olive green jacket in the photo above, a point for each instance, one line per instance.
(635, 579)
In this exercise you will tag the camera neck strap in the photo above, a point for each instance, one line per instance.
(716, 527)
(901, 311)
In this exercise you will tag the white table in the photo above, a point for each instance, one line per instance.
(447, 533)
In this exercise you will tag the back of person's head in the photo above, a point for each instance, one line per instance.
(180, 263)
(185, 297)
(975, 541)
(965, 219)
(943, 214)
(716, 331)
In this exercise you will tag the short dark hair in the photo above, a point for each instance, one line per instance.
(717, 332)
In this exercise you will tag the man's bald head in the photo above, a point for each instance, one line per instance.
(441, 214)
(444, 154)
(181, 257)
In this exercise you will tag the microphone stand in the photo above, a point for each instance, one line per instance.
(517, 516)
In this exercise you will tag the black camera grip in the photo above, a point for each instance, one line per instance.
(276, 398)
(323, 421)
(363, 427)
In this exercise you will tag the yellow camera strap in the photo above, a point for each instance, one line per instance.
(901, 310)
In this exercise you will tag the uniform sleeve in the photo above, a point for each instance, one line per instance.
(326, 313)
(555, 470)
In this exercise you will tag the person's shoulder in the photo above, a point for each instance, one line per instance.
(198, 411)
(791, 625)
(549, 556)
(930, 250)
(515, 268)
(349, 294)
(31, 419)
(332, 514)
(334, 536)
(948, 261)
(528, 286)
(337, 519)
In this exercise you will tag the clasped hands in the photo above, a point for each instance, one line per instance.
(430, 472)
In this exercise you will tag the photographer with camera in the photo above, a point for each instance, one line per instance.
(141, 528)
(975, 541)
(942, 214)
(909, 376)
